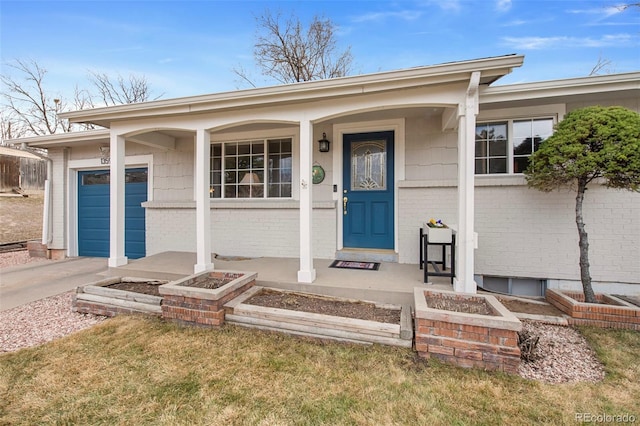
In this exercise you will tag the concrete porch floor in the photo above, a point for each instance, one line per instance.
(392, 283)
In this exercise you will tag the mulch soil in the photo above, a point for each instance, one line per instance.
(479, 307)
(324, 305)
(358, 310)
(209, 283)
(137, 287)
(524, 307)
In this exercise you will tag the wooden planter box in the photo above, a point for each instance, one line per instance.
(185, 302)
(98, 299)
(467, 340)
(320, 325)
(438, 235)
(611, 312)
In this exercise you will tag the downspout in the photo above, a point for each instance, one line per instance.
(47, 234)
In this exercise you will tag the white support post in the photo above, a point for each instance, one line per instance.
(464, 281)
(116, 199)
(306, 274)
(203, 208)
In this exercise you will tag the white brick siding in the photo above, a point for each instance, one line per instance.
(251, 232)
(58, 199)
(527, 233)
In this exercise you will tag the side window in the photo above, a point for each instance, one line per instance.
(527, 137)
(505, 147)
(491, 148)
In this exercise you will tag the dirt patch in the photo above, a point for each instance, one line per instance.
(525, 307)
(468, 306)
(324, 305)
(138, 287)
(210, 283)
(21, 217)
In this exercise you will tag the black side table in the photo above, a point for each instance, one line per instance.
(424, 257)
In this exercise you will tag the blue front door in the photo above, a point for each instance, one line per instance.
(368, 188)
(93, 213)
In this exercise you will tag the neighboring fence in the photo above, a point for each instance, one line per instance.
(19, 169)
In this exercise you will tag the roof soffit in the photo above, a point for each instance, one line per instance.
(491, 68)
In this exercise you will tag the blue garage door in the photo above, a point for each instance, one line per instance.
(93, 213)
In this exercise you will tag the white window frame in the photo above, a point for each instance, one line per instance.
(265, 136)
(554, 112)
(510, 136)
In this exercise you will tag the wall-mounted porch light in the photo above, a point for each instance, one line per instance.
(324, 143)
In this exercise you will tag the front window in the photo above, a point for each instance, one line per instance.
(251, 169)
(505, 147)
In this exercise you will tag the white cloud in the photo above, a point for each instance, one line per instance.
(559, 42)
(503, 5)
(447, 5)
(603, 12)
(404, 15)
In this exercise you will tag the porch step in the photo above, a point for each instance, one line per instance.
(367, 255)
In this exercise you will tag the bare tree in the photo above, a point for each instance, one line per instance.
(27, 102)
(602, 66)
(120, 90)
(289, 53)
(9, 127)
(30, 109)
(623, 7)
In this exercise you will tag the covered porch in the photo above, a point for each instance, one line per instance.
(393, 283)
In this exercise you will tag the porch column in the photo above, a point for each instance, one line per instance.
(306, 274)
(116, 200)
(203, 208)
(464, 281)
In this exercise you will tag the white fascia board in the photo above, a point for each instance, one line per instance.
(565, 87)
(63, 139)
(306, 91)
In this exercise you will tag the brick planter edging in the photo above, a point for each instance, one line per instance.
(467, 340)
(201, 306)
(614, 313)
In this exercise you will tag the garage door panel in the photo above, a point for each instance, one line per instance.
(94, 213)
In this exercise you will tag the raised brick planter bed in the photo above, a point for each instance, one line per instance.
(464, 339)
(98, 299)
(611, 312)
(189, 301)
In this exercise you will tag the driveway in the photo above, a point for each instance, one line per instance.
(27, 283)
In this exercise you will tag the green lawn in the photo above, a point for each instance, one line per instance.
(131, 370)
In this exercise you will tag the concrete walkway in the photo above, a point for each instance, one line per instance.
(26, 283)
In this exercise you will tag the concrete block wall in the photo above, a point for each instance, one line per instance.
(250, 232)
(416, 206)
(58, 199)
(527, 233)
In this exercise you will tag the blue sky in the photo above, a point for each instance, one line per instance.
(190, 47)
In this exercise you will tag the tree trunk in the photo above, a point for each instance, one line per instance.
(585, 276)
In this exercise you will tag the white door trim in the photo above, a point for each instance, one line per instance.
(75, 166)
(339, 130)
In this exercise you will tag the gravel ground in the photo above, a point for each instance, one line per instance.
(21, 257)
(562, 355)
(40, 321)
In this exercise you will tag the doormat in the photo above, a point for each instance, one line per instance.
(346, 264)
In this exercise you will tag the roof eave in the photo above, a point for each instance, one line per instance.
(491, 68)
(62, 139)
(564, 87)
